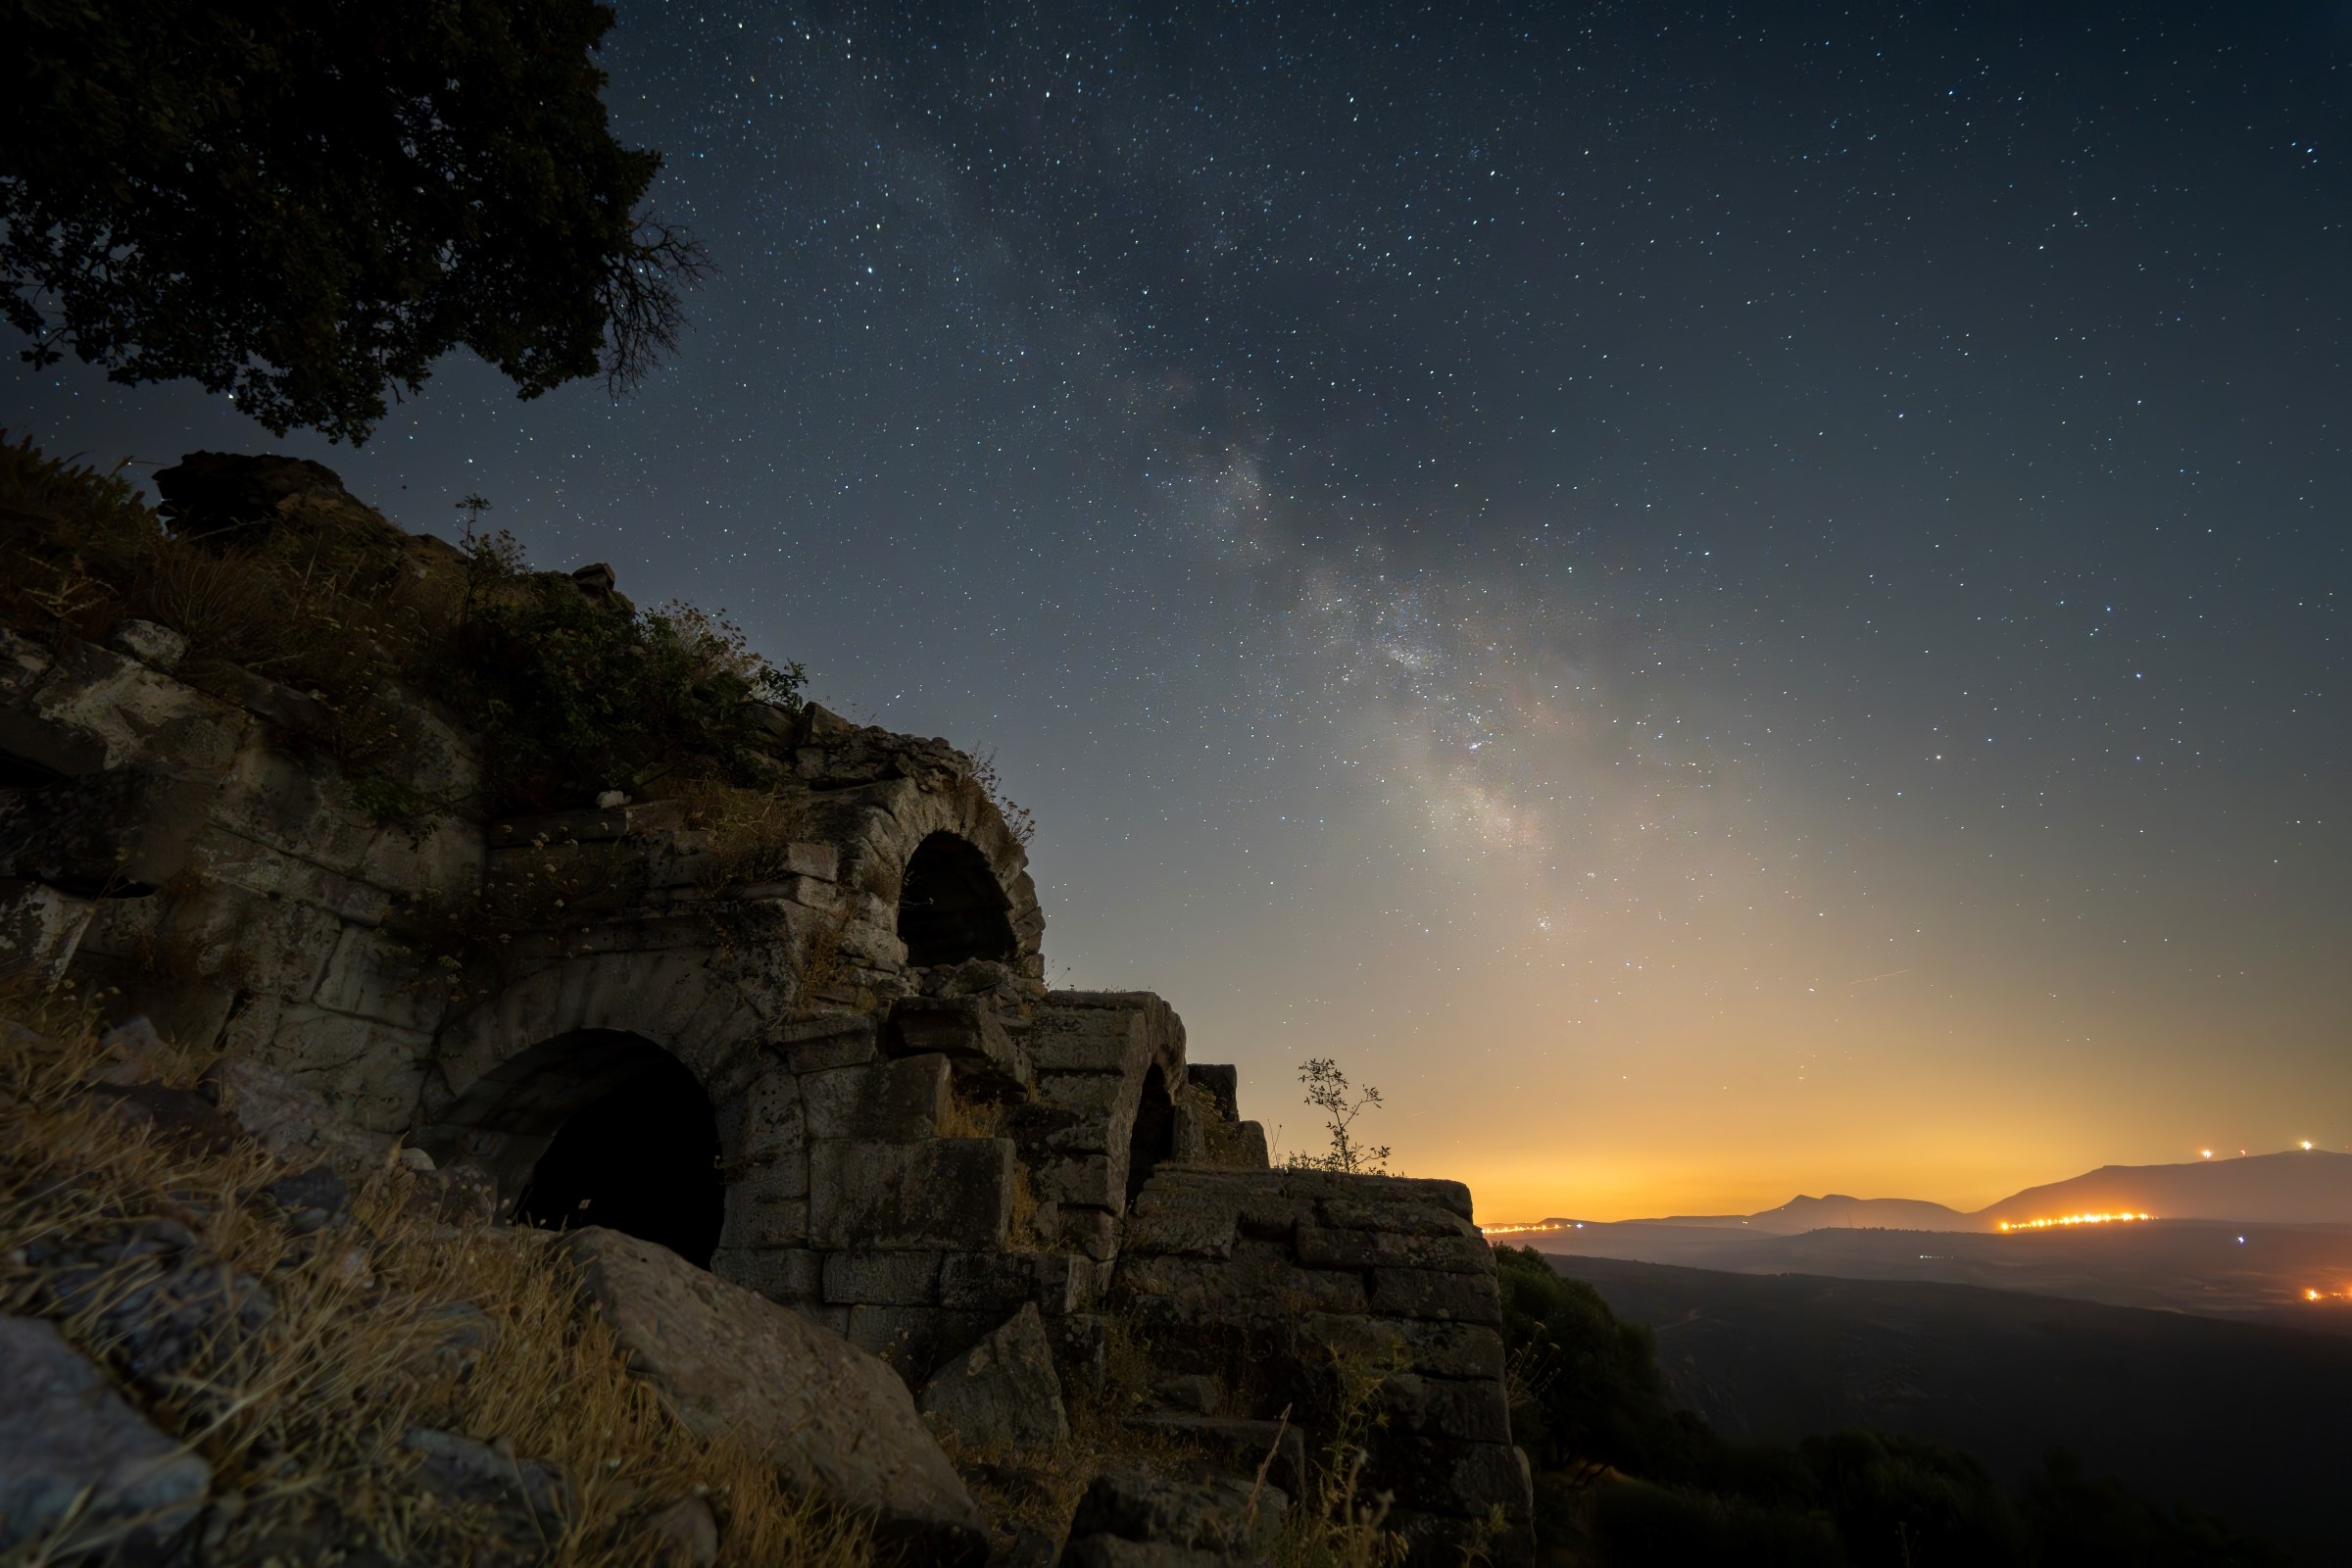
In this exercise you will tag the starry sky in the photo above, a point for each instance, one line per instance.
(1721, 600)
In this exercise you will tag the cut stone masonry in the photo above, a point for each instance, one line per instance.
(916, 1142)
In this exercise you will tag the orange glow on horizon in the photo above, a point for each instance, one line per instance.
(2071, 1219)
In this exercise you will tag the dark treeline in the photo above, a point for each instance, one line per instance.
(1632, 1481)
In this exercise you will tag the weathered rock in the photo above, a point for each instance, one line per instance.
(1225, 1518)
(66, 1436)
(177, 1320)
(308, 1199)
(289, 1118)
(1003, 1391)
(150, 643)
(207, 492)
(833, 1420)
(683, 1534)
(523, 1504)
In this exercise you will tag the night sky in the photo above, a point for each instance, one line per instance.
(1721, 602)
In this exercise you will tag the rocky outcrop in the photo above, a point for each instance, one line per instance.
(835, 1421)
(79, 1471)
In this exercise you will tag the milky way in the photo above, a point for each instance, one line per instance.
(1720, 601)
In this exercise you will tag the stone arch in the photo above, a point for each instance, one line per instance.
(1152, 1137)
(880, 829)
(951, 906)
(711, 1021)
(597, 1127)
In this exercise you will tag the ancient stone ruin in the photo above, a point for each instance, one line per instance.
(819, 1062)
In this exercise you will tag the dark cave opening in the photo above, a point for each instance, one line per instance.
(1154, 1136)
(949, 906)
(642, 1157)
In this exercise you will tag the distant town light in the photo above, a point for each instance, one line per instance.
(2071, 1219)
(2306, 1143)
(2207, 1153)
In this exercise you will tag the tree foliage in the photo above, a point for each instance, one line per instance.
(305, 203)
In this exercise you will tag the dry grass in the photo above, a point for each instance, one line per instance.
(749, 830)
(305, 1419)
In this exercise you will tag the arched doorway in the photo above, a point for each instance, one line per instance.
(951, 907)
(604, 1128)
(1153, 1138)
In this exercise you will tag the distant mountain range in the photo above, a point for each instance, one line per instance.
(2300, 1186)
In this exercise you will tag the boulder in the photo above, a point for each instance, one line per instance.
(66, 1433)
(835, 1421)
(288, 1118)
(1003, 1391)
(1174, 1522)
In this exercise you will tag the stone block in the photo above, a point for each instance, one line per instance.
(271, 946)
(1322, 1247)
(1187, 1133)
(1194, 1225)
(1442, 1475)
(288, 1118)
(121, 832)
(134, 713)
(298, 805)
(1447, 1408)
(445, 857)
(1091, 1181)
(371, 975)
(885, 1279)
(763, 1208)
(1000, 1281)
(39, 928)
(965, 1030)
(789, 1275)
(1221, 1083)
(1250, 1147)
(1088, 1039)
(829, 1040)
(220, 856)
(1444, 1297)
(945, 1193)
(368, 1073)
(1095, 1232)
(915, 1341)
(1255, 1286)
(895, 1102)
(1401, 1218)
(773, 1121)
(1002, 1393)
(1434, 1350)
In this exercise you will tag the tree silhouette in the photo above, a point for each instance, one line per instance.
(305, 203)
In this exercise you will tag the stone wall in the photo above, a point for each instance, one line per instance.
(917, 1140)
(1266, 1292)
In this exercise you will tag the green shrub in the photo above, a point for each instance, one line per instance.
(572, 695)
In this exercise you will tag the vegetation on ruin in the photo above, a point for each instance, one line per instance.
(1624, 1478)
(304, 206)
(1341, 1102)
(304, 1416)
(570, 694)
